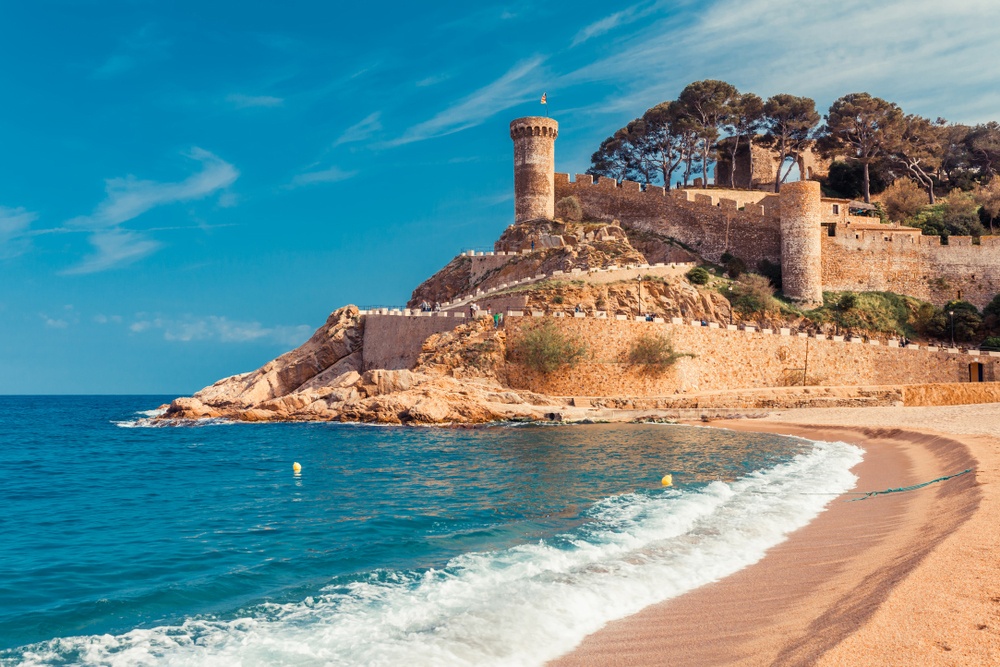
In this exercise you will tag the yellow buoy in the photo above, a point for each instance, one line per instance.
(668, 480)
(296, 467)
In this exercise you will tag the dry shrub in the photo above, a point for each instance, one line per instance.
(903, 199)
(653, 353)
(569, 209)
(546, 348)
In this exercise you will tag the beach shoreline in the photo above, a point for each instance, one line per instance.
(904, 578)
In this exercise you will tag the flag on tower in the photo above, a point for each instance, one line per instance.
(544, 98)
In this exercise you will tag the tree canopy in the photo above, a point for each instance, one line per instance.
(872, 141)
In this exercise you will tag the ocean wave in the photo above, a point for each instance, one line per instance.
(153, 421)
(518, 606)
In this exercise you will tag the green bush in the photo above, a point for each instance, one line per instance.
(847, 301)
(882, 312)
(654, 353)
(958, 317)
(547, 348)
(568, 208)
(771, 271)
(956, 216)
(752, 294)
(698, 276)
(735, 266)
(991, 343)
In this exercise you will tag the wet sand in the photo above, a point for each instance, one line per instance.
(903, 579)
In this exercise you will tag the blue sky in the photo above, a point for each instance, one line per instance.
(188, 189)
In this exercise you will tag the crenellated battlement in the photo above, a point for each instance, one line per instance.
(534, 126)
(855, 252)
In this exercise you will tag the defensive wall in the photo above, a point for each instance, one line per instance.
(722, 357)
(882, 258)
(709, 224)
(393, 342)
(856, 253)
(727, 358)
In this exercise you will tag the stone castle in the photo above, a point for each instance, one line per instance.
(450, 364)
(821, 243)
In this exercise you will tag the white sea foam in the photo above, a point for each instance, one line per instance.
(152, 422)
(520, 606)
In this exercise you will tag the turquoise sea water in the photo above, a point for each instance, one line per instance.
(125, 544)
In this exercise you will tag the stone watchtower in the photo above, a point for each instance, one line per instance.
(534, 167)
(801, 238)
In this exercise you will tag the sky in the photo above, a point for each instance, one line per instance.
(188, 189)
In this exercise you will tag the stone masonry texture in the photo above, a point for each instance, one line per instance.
(534, 165)
(801, 262)
(724, 359)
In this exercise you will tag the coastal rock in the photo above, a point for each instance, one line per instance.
(190, 408)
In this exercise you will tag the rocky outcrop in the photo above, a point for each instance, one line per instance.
(558, 246)
(456, 380)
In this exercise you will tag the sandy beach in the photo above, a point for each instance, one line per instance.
(900, 579)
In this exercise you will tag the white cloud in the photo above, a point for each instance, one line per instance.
(14, 225)
(113, 248)
(241, 101)
(518, 85)
(128, 197)
(926, 55)
(432, 80)
(361, 130)
(62, 321)
(220, 329)
(607, 24)
(331, 175)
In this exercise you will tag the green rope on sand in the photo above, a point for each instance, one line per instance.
(872, 494)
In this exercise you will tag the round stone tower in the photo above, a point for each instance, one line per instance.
(534, 167)
(801, 252)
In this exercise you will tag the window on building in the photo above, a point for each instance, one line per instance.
(836, 209)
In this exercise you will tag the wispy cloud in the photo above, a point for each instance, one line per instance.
(114, 248)
(516, 86)
(362, 130)
(609, 23)
(221, 329)
(14, 226)
(432, 80)
(331, 175)
(923, 54)
(128, 197)
(62, 320)
(241, 101)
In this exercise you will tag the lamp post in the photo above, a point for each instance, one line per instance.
(729, 290)
(639, 281)
(951, 315)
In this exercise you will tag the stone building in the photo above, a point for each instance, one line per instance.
(820, 243)
(765, 165)
(534, 167)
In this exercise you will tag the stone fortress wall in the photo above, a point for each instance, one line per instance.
(708, 224)
(819, 245)
(724, 357)
(856, 253)
(727, 358)
(896, 259)
(765, 165)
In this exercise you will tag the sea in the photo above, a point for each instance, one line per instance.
(127, 542)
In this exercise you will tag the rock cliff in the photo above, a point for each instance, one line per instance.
(456, 380)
